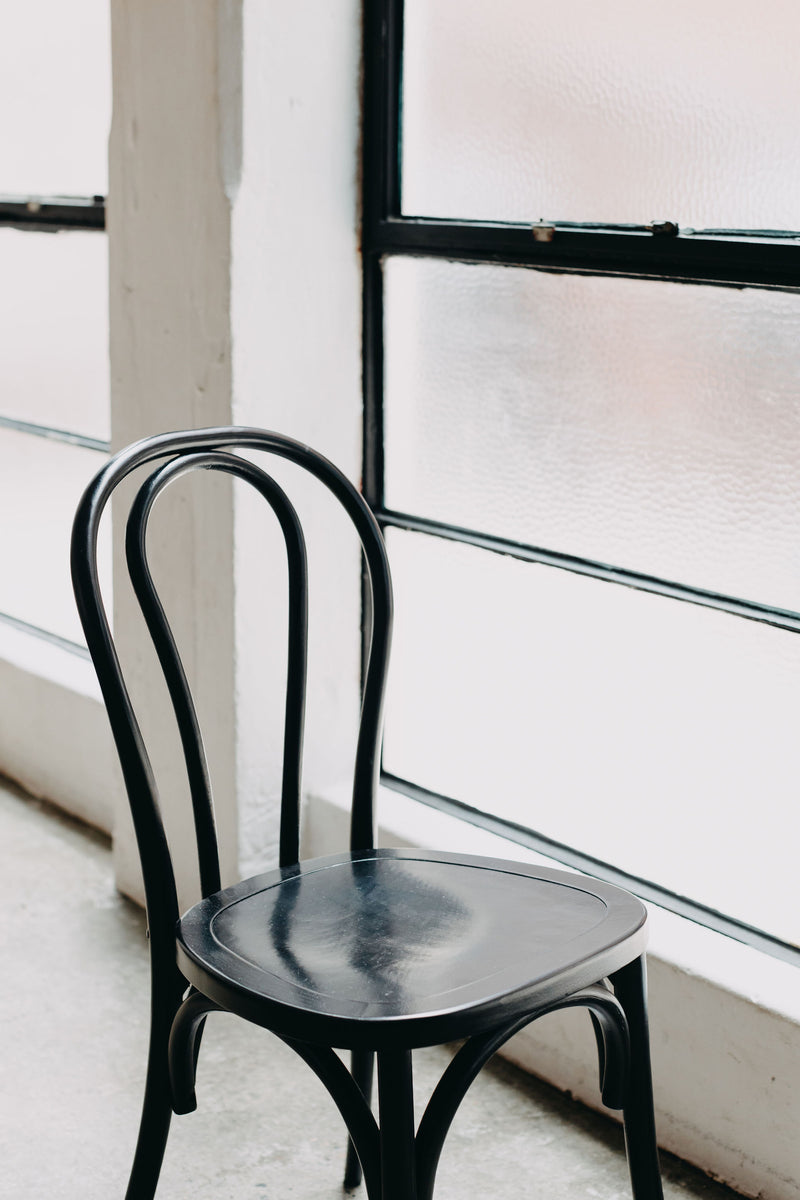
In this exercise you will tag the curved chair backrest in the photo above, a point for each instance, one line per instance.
(173, 455)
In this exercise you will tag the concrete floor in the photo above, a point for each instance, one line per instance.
(73, 1006)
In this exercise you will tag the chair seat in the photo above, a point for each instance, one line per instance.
(404, 947)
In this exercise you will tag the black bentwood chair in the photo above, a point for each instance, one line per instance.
(373, 951)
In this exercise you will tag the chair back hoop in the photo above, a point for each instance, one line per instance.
(210, 449)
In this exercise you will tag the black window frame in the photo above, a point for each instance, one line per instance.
(661, 251)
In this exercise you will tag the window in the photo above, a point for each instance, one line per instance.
(54, 406)
(581, 435)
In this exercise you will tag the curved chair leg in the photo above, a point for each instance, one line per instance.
(184, 1047)
(362, 1064)
(396, 1101)
(600, 1042)
(349, 1099)
(630, 987)
(612, 1034)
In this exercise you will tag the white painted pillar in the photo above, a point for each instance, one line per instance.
(169, 224)
(235, 297)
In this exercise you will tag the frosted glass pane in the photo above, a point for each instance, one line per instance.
(55, 97)
(655, 735)
(54, 322)
(649, 425)
(41, 482)
(603, 112)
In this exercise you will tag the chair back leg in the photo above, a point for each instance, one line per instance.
(154, 1125)
(630, 987)
(166, 987)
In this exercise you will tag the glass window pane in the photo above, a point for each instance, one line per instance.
(602, 112)
(55, 96)
(54, 317)
(41, 482)
(658, 736)
(648, 425)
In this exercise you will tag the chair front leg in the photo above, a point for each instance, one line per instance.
(396, 1106)
(362, 1063)
(630, 987)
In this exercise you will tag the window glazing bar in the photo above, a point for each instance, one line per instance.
(701, 914)
(55, 435)
(751, 610)
(45, 635)
(52, 213)
(725, 258)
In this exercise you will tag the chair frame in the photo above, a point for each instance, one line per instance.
(396, 1162)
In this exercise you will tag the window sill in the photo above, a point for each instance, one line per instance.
(49, 697)
(38, 656)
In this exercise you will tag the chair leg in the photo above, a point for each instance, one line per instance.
(153, 1128)
(396, 1102)
(165, 999)
(630, 987)
(361, 1066)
